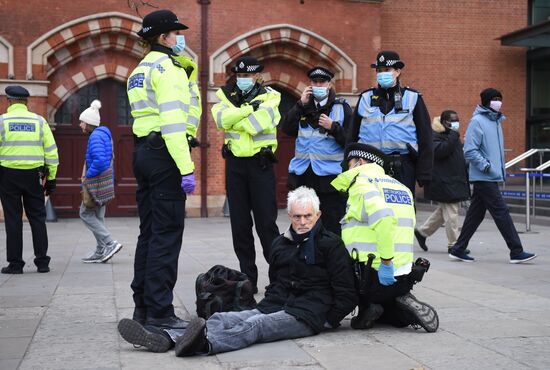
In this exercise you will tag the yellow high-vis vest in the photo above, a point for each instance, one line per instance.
(380, 216)
(195, 107)
(26, 141)
(247, 131)
(159, 95)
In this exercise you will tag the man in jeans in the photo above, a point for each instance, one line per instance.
(484, 150)
(311, 289)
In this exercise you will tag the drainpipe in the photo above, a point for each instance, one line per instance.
(204, 72)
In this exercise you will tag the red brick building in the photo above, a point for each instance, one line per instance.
(68, 53)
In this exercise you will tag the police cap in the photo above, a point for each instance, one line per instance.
(320, 73)
(388, 58)
(16, 92)
(365, 151)
(160, 21)
(247, 64)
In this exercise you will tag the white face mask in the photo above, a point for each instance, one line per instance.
(495, 105)
(455, 125)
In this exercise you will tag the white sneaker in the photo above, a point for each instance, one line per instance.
(94, 257)
(110, 250)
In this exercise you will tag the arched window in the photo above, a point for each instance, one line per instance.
(112, 94)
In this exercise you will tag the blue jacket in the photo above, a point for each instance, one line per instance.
(99, 152)
(484, 146)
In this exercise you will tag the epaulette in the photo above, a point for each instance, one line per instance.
(176, 63)
(413, 90)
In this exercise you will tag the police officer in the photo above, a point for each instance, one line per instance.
(28, 156)
(395, 120)
(195, 107)
(248, 113)
(378, 231)
(319, 121)
(160, 98)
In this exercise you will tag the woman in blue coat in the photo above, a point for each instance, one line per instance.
(99, 153)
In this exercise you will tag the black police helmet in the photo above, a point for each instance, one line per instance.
(247, 64)
(365, 151)
(16, 92)
(158, 22)
(388, 58)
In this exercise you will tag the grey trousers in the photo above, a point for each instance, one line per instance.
(229, 331)
(94, 219)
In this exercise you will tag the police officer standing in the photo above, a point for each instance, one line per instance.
(248, 113)
(158, 91)
(28, 156)
(395, 120)
(319, 121)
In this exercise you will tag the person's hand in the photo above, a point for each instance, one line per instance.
(487, 168)
(385, 274)
(256, 104)
(49, 187)
(421, 183)
(188, 183)
(306, 94)
(325, 122)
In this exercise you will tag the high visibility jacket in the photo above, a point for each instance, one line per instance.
(246, 130)
(380, 216)
(26, 141)
(388, 132)
(159, 95)
(195, 107)
(320, 150)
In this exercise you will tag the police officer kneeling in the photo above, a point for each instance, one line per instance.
(378, 231)
(28, 155)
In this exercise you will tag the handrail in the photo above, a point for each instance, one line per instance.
(522, 156)
(543, 166)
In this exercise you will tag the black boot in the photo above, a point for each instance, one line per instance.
(193, 341)
(367, 316)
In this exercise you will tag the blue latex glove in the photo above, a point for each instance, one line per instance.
(188, 183)
(385, 274)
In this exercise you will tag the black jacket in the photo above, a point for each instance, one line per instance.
(450, 175)
(317, 293)
(421, 119)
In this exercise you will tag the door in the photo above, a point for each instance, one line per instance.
(71, 143)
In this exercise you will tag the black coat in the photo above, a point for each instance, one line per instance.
(450, 175)
(317, 293)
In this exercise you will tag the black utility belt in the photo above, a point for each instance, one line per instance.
(153, 140)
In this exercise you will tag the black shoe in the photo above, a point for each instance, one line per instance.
(172, 322)
(10, 269)
(43, 269)
(367, 316)
(449, 249)
(135, 333)
(421, 240)
(194, 340)
(424, 314)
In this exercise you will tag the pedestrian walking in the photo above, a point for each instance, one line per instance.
(28, 167)
(159, 95)
(99, 158)
(248, 114)
(449, 185)
(484, 151)
(319, 121)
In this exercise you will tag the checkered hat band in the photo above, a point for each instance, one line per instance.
(319, 72)
(356, 153)
(252, 68)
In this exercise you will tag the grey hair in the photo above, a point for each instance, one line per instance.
(304, 196)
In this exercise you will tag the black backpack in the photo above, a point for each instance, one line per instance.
(223, 289)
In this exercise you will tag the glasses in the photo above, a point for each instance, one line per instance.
(298, 218)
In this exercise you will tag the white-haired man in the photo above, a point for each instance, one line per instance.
(311, 289)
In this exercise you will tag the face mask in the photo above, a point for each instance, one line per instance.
(180, 44)
(455, 125)
(385, 79)
(495, 105)
(319, 92)
(245, 83)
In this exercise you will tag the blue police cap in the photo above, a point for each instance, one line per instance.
(16, 92)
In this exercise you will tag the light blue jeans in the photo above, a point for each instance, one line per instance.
(229, 331)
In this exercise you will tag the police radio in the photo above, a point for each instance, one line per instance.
(398, 100)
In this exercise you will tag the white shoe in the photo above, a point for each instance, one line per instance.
(110, 250)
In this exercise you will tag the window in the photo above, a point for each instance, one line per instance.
(71, 109)
(540, 88)
(540, 11)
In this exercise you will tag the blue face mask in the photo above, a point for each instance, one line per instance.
(319, 92)
(455, 125)
(385, 79)
(245, 83)
(180, 44)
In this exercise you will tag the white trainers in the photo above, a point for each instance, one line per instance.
(110, 250)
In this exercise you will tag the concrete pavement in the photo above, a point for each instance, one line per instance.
(493, 315)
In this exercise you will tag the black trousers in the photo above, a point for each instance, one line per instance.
(406, 173)
(385, 296)
(251, 188)
(17, 185)
(486, 196)
(333, 202)
(161, 208)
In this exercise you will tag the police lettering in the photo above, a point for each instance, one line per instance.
(136, 81)
(22, 127)
(396, 196)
